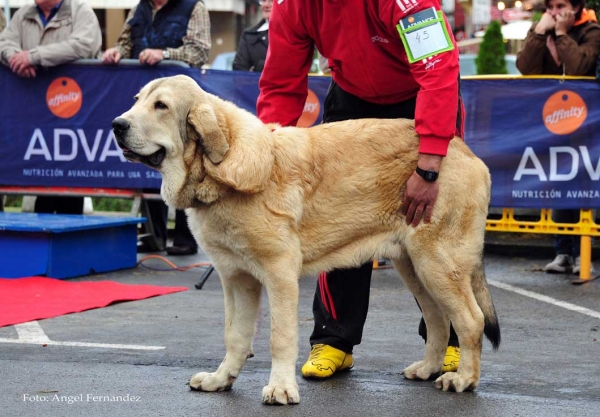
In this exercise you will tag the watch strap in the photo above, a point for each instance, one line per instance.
(427, 175)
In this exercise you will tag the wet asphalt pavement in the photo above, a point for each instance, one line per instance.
(548, 363)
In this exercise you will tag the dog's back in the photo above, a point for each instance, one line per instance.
(349, 178)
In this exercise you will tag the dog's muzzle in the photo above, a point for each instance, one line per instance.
(120, 128)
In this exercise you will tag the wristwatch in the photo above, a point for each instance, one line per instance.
(428, 175)
(166, 54)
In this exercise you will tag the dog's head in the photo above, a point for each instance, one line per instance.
(203, 146)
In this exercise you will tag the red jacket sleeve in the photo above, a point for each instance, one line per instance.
(437, 101)
(284, 80)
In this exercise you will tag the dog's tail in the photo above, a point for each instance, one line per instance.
(484, 299)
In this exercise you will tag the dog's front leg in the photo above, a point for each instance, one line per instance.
(242, 299)
(282, 289)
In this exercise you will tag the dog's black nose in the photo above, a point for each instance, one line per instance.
(120, 125)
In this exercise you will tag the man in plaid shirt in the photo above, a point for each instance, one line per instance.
(164, 29)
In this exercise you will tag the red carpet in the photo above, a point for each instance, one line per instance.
(36, 298)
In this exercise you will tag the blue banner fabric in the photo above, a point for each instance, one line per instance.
(537, 138)
(535, 135)
(56, 128)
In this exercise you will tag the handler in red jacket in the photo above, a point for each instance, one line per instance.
(388, 59)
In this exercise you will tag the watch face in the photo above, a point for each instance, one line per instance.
(430, 176)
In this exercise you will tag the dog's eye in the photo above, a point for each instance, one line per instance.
(135, 98)
(160, 105)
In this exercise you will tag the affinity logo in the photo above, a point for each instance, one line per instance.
(564, 112)
(64, 97)
(312, 108)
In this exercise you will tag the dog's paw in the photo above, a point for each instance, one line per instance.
(204, 381)
(421, 370)
(453, 381)
(281, 395)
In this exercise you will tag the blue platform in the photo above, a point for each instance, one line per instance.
(65, 245)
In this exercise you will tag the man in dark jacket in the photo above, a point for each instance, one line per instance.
(252, 50)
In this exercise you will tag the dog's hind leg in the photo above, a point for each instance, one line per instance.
(438, 327)
(282, 289)
(446, 275)
(242, 299)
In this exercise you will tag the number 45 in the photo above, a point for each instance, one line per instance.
(425, 36)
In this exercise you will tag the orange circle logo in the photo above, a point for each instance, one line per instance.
(564, 112)
(64, 97)
(312, 108)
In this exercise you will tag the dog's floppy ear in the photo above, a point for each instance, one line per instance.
(203, 120)
(248, 164)
(236, 145)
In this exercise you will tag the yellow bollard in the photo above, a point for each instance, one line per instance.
(586, 258)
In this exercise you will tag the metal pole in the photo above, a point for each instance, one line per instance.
(585, 258)
(7, 11)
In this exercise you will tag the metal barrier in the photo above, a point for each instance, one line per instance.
(586, 228)
(127, 61)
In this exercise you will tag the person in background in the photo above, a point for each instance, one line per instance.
(252, 50)
(566, 41)
(426, 90)
(157, 30)
(50, 33)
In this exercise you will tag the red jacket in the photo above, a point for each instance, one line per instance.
(367, 59)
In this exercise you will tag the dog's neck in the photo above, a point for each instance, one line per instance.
(197, 189)
(199, 193)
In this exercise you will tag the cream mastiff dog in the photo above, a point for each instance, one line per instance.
(270, 204)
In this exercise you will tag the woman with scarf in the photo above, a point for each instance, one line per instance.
(566, 41)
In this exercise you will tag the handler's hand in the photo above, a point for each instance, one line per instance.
(420, 195)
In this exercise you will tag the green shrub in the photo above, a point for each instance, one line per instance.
(13, 201)
(490, 59)
(111, 204)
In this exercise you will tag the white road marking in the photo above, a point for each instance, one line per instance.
(31, 333)
(545, 299)
(82, 344)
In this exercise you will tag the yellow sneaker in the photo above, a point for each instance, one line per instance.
(451, 360)
(325, 360)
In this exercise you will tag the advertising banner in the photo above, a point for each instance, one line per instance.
(56, 128)
(539, 138)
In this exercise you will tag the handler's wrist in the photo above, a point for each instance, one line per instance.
(430, 162)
